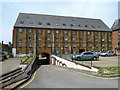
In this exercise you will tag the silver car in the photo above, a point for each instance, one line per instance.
(86, 56)
(108, 53)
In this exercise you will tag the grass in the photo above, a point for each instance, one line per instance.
(109, 71)
(29, 59)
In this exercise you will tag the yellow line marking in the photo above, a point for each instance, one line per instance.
(28, 82)
(95, 76)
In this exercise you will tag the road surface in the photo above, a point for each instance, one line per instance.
(50, 76)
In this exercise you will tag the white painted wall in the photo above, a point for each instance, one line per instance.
(73, 65)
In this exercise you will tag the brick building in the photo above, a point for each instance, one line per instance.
(116, 35)
(35, 33)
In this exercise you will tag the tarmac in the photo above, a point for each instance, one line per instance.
(10, 64)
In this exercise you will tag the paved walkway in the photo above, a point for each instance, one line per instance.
(10, 64)
(50, 76)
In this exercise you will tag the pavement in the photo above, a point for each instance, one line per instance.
(50, 76)
(10, 64)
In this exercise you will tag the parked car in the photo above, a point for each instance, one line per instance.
(86, 56)
(97, 52)
(107, 53)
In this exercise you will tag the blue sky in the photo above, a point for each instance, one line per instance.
(107, 11)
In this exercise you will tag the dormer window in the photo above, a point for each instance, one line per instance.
(30, 22)
(92, 26)
(56, 24)
(78, 25)
(64, 24)
(21, 22)
(86, 26)
(99, 27)
(48, 23)
(39, 23)
(71, 24)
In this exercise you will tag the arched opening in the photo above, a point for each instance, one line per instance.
(44, 58)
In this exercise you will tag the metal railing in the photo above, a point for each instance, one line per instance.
(87, 62)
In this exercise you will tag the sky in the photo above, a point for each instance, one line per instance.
(9, 11)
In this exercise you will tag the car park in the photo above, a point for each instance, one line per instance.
(86, 56)
(107, 53)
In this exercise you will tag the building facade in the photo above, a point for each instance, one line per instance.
(35, 33)
(116, 35)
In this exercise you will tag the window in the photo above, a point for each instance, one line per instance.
(48, 38)
(65, 45)
(74, 52)
(30, 45)
(19, 52)
(109, 39)
(89, 39)
(95, 39)
(102, 33)
(39, 45)
(20, 45)
(57, 31)
(57, 39)
(20, 38)
(30, 52)
(39, 31)
(96, 45)
(21, 22)
(57, 45)
(39, 38)
(29, 38)
(119, 32)
(20, 30)
(30, 30)
(39, 23)
(57, 51)
(48, 31)
(65, 39)
(78, 25)
(99, 27)
(30, 22)
(65, 32)
(64, 24)
(88, 33)
(73, 39)
(73, 32)
(81, 32)
(81, 45)
(48, 23)
(109, 45)
(48, 45)
(65, 52)
(92, 26)
(95, 33)
(81, 39)
(73, 45)
(103, 39)
(109, 33)
(86, 26)
(71, 24)
(102, 45)
(56, 24)
(89, 45)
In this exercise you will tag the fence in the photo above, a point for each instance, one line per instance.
(87, 62)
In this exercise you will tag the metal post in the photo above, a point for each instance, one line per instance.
(91, 61)
(35, 43)
(53, 43)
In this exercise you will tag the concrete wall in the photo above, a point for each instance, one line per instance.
(55, 60)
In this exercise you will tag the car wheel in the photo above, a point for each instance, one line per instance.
(94, 58)
(78, 58)
(106, 55)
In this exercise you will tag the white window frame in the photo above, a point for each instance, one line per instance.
(30, 45)
(48, 45)
(48, 31)
(39, 30)
(65, 39)
(65, 45)
(48, 38)
(73, 45)
(57, 31)
(30, 30)
(39, 38)
(73, 39)
(20, 52)
(88, 33)
(103, 39)
(65, 32)
(73, 32)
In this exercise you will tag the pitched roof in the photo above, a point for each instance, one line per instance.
(59, 22)
(116, 25)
